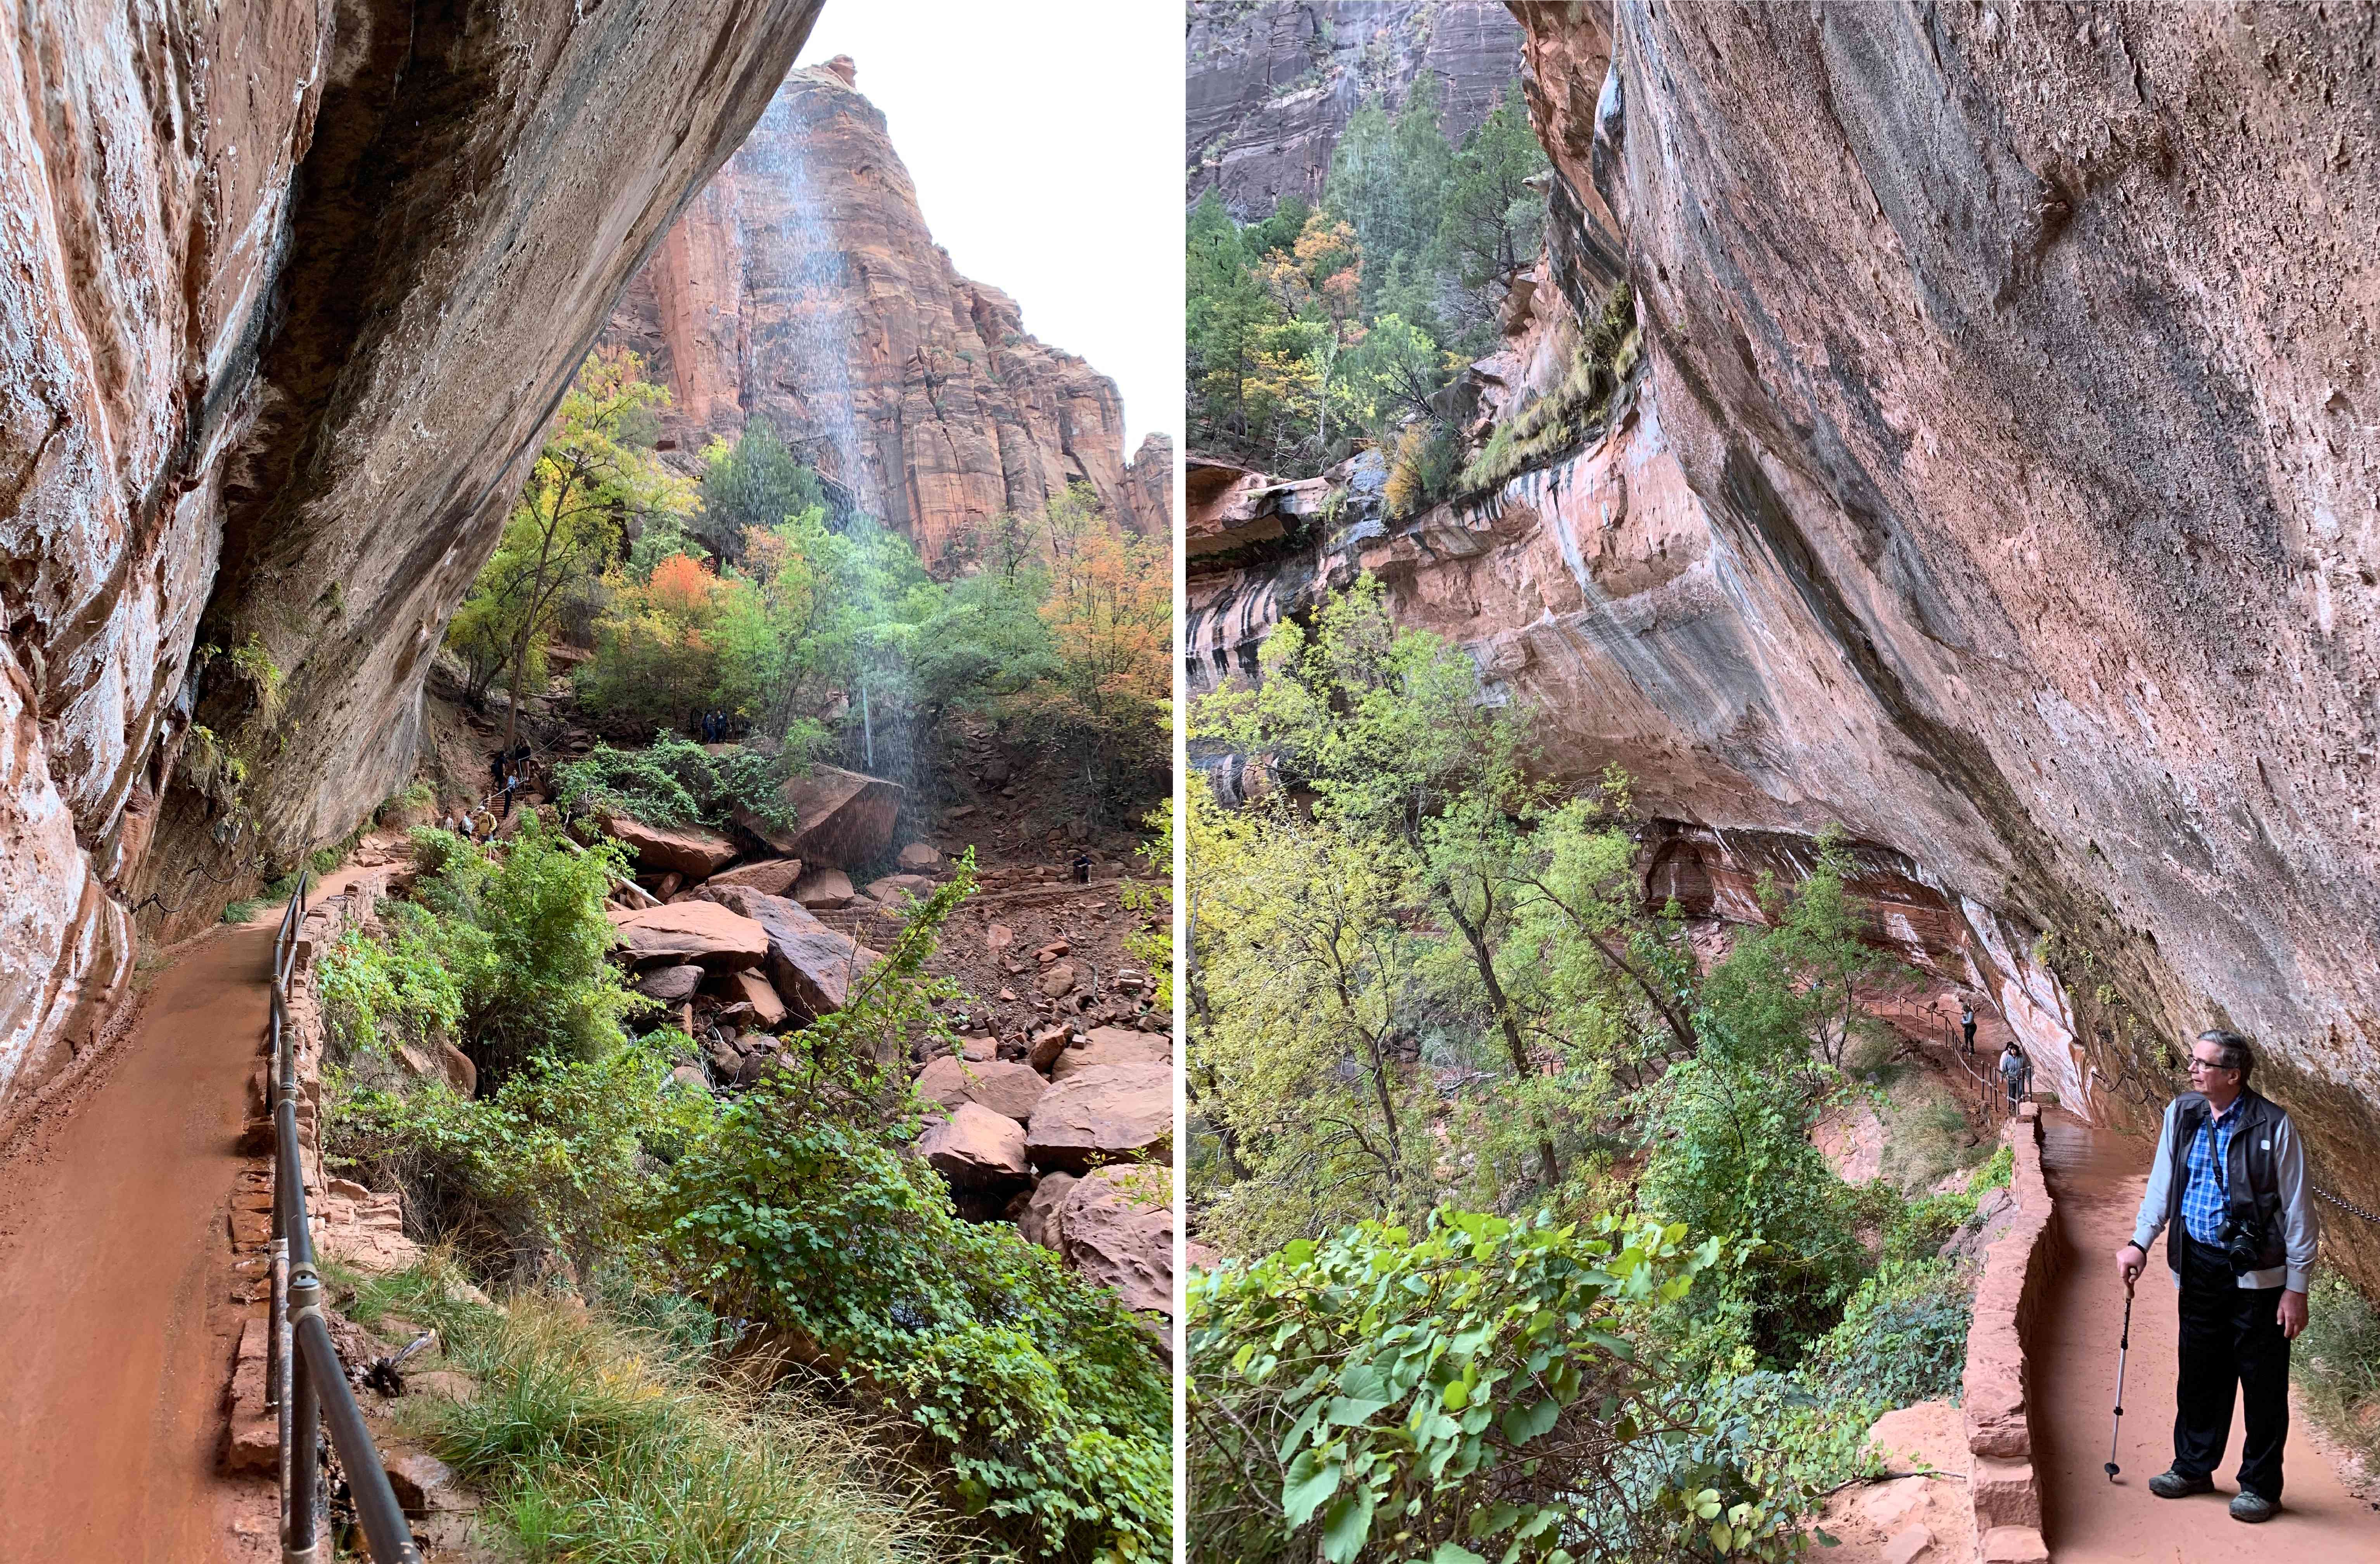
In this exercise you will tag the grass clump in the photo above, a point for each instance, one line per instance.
(2338, 1366)
(1562, 416)
(598, 1443)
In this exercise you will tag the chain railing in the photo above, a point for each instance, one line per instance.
(307, 1382)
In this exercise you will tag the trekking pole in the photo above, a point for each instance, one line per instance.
(2122, 1346)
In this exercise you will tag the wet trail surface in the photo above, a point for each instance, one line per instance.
(114, 1261)
(2096, 1176)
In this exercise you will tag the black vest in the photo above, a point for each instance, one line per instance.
(2252, 1177)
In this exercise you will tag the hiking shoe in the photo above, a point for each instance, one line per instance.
(2173, 1484)
(2252, 1507)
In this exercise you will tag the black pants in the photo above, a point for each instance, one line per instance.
(2230, 1335)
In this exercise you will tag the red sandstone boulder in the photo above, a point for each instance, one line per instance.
(1038, 1220)
(751, 988)
(1115, 1226)
(1004, 1088)
(670, 985)
(811, 965)
(842, 818)
(1113, 1045)
(689, 851)
(1108, 1113)
(704, 933)
(894, 890)
(822, 889)
(771, 876)
(975, 1147)
(919, 856)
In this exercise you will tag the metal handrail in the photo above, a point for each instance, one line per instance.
(306, 1380)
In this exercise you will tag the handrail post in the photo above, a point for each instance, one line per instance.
(301, 1543)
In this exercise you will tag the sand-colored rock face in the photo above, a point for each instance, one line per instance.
(290, 293)
(1272, 86)
(802, 286)
(1997, 486)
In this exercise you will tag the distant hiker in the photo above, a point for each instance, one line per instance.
(1082, 868)
(2017, 1070)
(496, 769)
(1967, 1024)
(2229, 1188)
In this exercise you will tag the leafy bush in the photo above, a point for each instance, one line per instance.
(382, 993)
(678, 783)
(560, 1158)
(603, 1444)
(801, 1210)
(1902, 1338)
(1479, 1384)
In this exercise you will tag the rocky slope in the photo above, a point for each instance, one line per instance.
(291, 294)
(1997, 484)
(1272, 86)
(802, 286)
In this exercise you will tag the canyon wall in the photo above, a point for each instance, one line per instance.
(292, 292)
(1272, 86)
(803, 288)
(1997, 484)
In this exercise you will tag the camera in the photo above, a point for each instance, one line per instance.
(2242, 1243)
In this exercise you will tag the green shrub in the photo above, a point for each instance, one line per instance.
(678, 783)
(1902, 1338)
(382, 993)
(241, 909)
(1477, 1385)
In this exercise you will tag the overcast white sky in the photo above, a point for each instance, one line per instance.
(1045, 137)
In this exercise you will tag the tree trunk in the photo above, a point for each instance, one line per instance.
(1513, 1041)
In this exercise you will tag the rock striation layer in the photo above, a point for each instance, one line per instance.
(291, 295)
(1272, 86)
(803, 288)
(1995, 483)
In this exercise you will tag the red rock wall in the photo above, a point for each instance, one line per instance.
(804, 287)
(291, 292)
(1995, 486)
(1271, 85)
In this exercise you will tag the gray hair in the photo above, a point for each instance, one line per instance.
(2237, 1055)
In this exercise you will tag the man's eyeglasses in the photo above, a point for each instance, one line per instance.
(2198, 1064)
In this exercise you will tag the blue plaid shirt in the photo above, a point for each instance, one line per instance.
(2206, 1198)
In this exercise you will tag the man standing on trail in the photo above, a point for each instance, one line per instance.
(1967, 1025)
(2017, 1070)
(2228, 1186)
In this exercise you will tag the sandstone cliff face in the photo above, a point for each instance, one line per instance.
(803, 288)
(291, 292)
(1272, 85)
(1999, 485)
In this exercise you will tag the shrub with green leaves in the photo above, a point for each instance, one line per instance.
(1475, 1390)
(678, 783)
(390, 991)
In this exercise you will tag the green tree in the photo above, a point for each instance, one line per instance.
(589, 481)
(755, 482)
(1493, 218)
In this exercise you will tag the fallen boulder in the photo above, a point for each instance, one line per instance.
(1108, 1113)
(811, 965)
(772, 876)
(1113, 1045)
(975, 1147)
(894, 889)
(1039, 1221)
(702, 932)
(918, 856)
(822, 889)
(768, 1007)
(670, 985)
(1005, 1088)
(1115, 1227)
(842, 818)
(687, 850)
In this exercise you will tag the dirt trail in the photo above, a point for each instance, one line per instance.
(2098, 1177)
(115, 1260)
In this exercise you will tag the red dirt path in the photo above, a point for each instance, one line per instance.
(114, 1261)
(2096, 1176)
